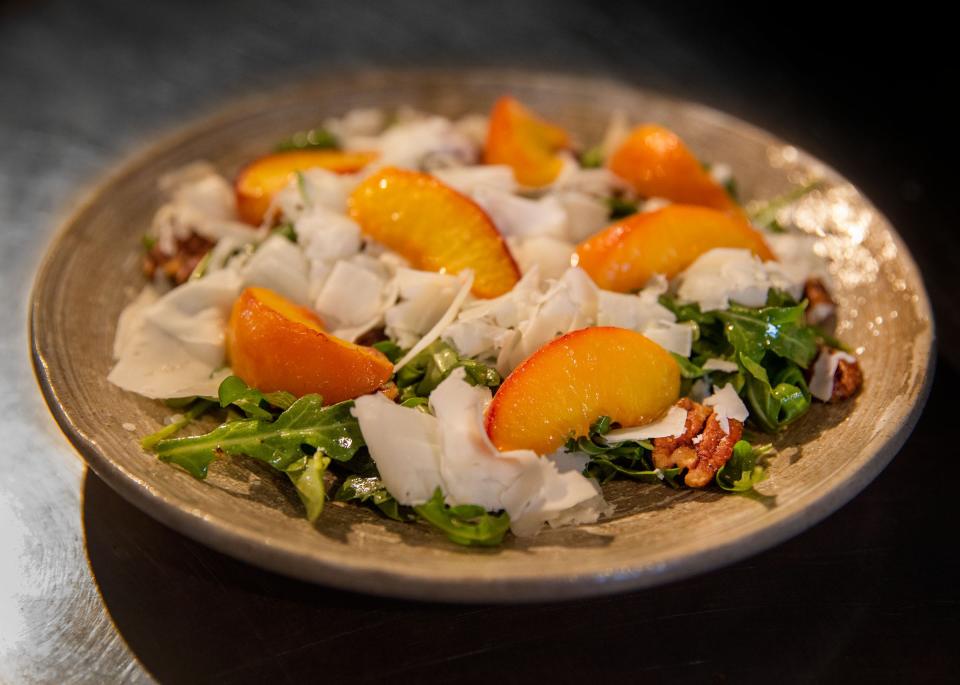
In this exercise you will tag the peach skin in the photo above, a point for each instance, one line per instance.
(624, 256)
(273, 344)
(529, 145)
(572, 381)
(434, 227)
(656, 163)
(260, 180)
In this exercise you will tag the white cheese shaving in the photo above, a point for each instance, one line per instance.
(521, 217)
(471, 179)
(724, 274)
(673, 423)
(281, 266)
(824, 372)
(550, 255)
(714, 364)
(416, 454)
(673, 337)
(586, 214)
(445, 320)
(350, 296)
(727, 405)
(423, 142)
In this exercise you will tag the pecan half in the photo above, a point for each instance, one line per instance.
(702, 448)
(714, 450)
(821, 306)
(177, 266)
(667, 451)
(846, 381)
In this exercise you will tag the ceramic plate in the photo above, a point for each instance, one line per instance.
(92, 270)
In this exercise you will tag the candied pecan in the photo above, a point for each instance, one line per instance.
(665, 450)
(846, 381)
(714, 451)
(821, 306)
(177, 266)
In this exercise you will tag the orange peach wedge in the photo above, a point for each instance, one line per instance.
(569, 383)
(434, 227)
(520, 139)
(657, 164)
(273, 344)
(260, 180)
(624, 256)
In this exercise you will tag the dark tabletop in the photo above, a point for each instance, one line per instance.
(870, 594)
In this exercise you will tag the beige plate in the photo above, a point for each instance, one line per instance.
(656, 535)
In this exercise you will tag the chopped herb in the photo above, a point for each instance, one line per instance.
(466, 524)
(314, 139)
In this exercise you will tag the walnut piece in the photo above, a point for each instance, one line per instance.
(846, 381)
(821, 306)
(702, 448)
(178, 266)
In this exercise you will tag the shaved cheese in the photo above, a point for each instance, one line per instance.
(723, 365)
(313, 188)
(824, 372)
(550, 255)
(131, 318)
(797, 256)
(618, 130)
(470, 179)
(521, 217)
(586, 214)
(350, 296)
(404, 443)
(441, 325)
(174, 347)
(415, 453)
(673, 337)
(727, 405)
(281, 266)
(424, 141)
(724, 274)
(635, 312)
(672, 424)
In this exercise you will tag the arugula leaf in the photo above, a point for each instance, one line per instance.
(313, 139)
(775, 403)
(621, 207)
(372, 490)
(305, 428)
(629, 458)
(687, 368)
(466, 524)
(753, 331)
(287, 231)
(196, 409)
(253, 403)
(390, 350)
(306, 474)
(745, 467)
(422, 374)
(592, 158)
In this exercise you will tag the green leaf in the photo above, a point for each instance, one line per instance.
(775, 402)
(592, 158)
(196, 409)
(466, 524)
(687, 368)
(608, 460)
(287, 231)
(621, 207)
(745, 467)
(306, 474)
(253, 403)
(313, 139)
(781, 330)
(371, 490)
(303, 429)
(422, 374)
(390, 350)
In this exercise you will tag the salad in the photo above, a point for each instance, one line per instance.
(476, 323)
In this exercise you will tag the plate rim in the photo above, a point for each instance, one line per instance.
(219, 533)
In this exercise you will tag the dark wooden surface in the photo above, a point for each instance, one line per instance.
(868, 595)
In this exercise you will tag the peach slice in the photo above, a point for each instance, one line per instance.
(624, 256)
(656, 163)
(522, 140)
(274, 344)
(570, 382)
(260, 180)
(434, 227)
